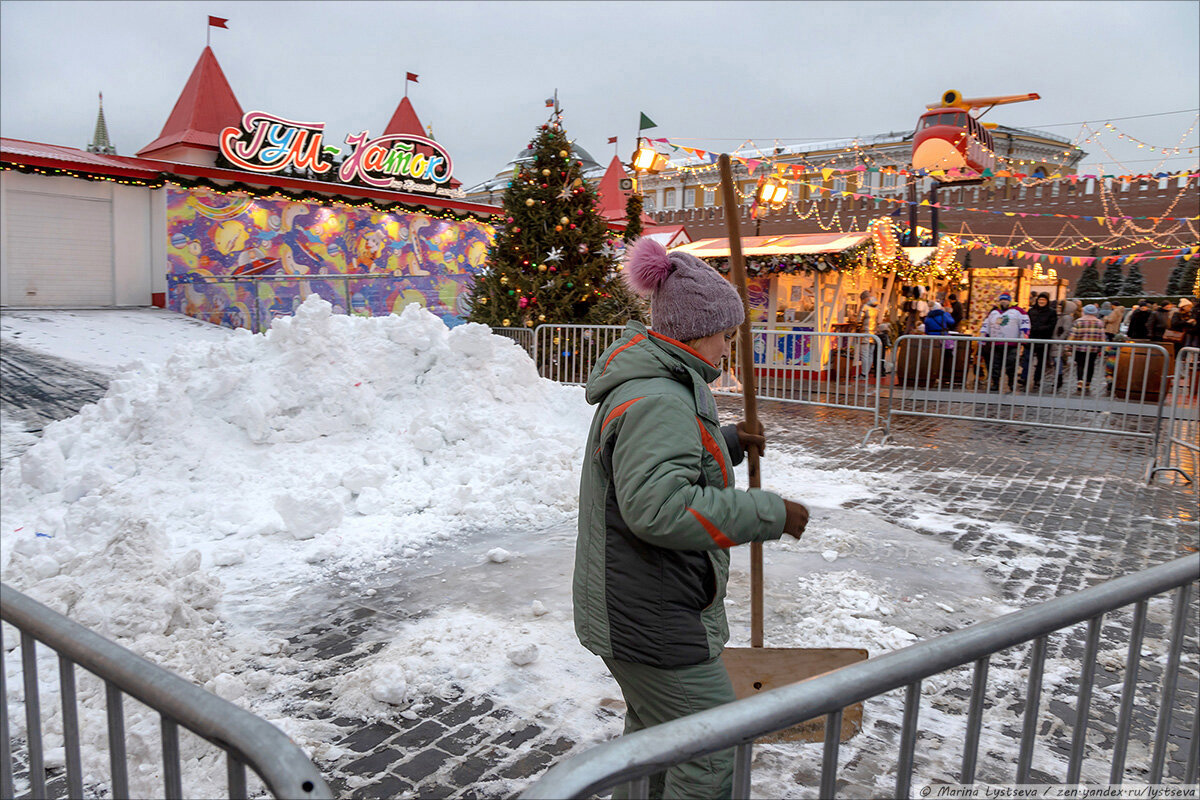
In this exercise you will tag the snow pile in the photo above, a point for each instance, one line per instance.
(246, 468)
(359, 438)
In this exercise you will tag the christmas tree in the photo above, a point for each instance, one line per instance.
(1134, 282)
(1112, 280)
(1175, 283)
(1089, 282)
(552, 260)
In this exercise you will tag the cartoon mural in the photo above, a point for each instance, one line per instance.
(242, 262)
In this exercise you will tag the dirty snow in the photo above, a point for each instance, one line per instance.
(215, 486)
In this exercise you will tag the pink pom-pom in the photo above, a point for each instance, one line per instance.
(648, 266)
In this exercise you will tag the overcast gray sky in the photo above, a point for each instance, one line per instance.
(715, 74)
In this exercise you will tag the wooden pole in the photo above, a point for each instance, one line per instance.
(737, 265)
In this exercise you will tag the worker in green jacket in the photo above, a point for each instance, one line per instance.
(658, 510)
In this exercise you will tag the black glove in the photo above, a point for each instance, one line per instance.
(797, 519)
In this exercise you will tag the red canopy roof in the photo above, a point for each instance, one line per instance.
(205, 106)
(53, 156)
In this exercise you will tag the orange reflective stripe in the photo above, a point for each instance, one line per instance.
(618, 411)
(617, 352)
(714, 449)
(721, 539)
(681, 346)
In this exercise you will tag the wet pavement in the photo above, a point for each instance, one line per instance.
(1040, 482)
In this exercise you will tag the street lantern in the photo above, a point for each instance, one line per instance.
(647, 159)
(773, 192)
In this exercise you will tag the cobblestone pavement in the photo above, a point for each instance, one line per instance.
(1041, 482)
(1036, 481)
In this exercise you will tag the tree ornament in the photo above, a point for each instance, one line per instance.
(558, 228)
(511, 220)
(511, 292)
(506, 322)
(572, 226)
(546, 172)
(563, 153)
(529, 201)
(504, 279)
(564, 221)
(541, 267)
(570, 285)
(578, 182)
(555, 254)
(541, 317)
(516, 230)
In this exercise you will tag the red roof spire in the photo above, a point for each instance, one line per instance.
(405, 120)
(611, 198)
(205, 106)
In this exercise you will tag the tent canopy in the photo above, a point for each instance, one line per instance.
(802, 244)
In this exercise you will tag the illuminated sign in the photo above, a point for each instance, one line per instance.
(402, 162)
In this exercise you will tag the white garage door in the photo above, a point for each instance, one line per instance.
(60, 250)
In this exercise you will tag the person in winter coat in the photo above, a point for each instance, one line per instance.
(1187, 320)
(956, 310)
(1042, 321)
(1004, 322)
(1112, 322)
(1160, 318)
(1088, 328)
(1062, 330)
(1139, 320)
(658, 510)
(938, 321)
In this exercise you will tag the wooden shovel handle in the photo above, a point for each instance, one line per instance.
(737, 265)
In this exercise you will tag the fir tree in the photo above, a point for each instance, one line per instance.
(552, 261)
(1134, 282)
(1112, 280)
(1189, 285)
(967, 261)
(633, 217)
(1175, 277)
(1089, 282)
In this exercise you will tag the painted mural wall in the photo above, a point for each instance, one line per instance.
(243, 261)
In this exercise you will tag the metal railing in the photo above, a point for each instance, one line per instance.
(634, 757)
(247, 740)
(838, 370)
(566, 353)
(1102, 387)
(1181, 442)
(522, 336)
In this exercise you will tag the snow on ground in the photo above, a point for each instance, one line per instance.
(226, 486)
(107, 340)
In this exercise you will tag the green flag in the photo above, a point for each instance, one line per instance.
(645, 122)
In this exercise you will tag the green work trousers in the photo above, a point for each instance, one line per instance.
(654, 695)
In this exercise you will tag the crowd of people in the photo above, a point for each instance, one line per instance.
(1028, 366)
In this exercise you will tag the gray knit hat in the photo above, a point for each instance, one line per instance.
(688, 298)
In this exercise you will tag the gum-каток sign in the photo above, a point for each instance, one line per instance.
(405, 162)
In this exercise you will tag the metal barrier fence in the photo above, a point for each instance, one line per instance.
(522, 336)
(1111, 387)
(566, 353)
(633, 758)
(1181, 450)
(839, 370)
(247, 740)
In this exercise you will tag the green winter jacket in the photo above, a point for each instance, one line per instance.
(657, 508)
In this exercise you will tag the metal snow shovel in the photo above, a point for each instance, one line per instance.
(756, 668)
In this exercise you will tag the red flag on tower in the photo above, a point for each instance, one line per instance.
(410, 76)
(218, 22)
(612, 140)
